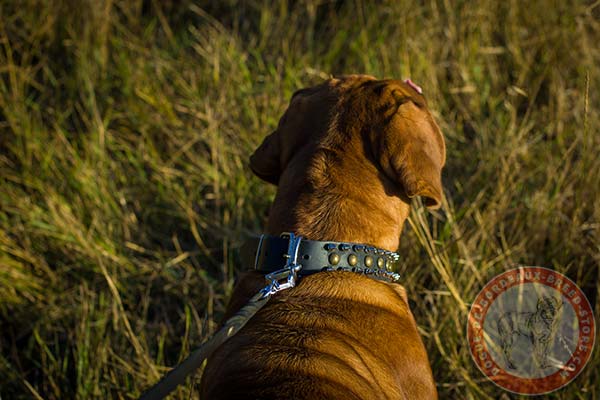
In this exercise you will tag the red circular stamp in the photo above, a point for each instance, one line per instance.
(531, 330)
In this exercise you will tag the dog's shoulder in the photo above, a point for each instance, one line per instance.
(319, 337)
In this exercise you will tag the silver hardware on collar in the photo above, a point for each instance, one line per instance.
(345, 247)
(286, 277)
(376, 263)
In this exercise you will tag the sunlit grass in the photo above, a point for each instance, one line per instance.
(125, 130)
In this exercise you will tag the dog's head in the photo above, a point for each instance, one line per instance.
(382, 122)
(548, 307)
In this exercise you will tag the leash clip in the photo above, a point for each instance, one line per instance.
(276, 281)
(286, 277)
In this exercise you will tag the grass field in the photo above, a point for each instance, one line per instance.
(125, 131)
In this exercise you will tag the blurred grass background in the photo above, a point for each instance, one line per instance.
(125, 130)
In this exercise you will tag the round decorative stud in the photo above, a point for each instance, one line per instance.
(352, 260)
(380, 262)
(369, 261)
(345, 247)
(334, 258)
(358, 247)
(329, 246)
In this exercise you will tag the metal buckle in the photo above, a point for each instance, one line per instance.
(293, 247)
(286, 277)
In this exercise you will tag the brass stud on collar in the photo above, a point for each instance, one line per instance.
(334, 258)
(352, 260)
(368, 261)
(380, 262)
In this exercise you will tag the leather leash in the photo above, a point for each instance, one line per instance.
(276, 281)
(178, 375)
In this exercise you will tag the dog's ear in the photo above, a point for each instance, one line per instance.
(265, 161)
(305, 118)
(412, 153)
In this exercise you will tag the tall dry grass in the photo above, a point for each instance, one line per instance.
(125, 128)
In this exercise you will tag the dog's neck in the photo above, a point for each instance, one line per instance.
(359, 206)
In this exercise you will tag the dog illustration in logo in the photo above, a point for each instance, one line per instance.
(539, 326)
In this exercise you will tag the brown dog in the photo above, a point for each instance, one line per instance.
(347, 155)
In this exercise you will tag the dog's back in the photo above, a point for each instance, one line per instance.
(335, 336)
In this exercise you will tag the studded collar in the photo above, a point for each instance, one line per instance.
(270, 254)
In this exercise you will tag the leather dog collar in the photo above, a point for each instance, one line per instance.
(270, 254)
